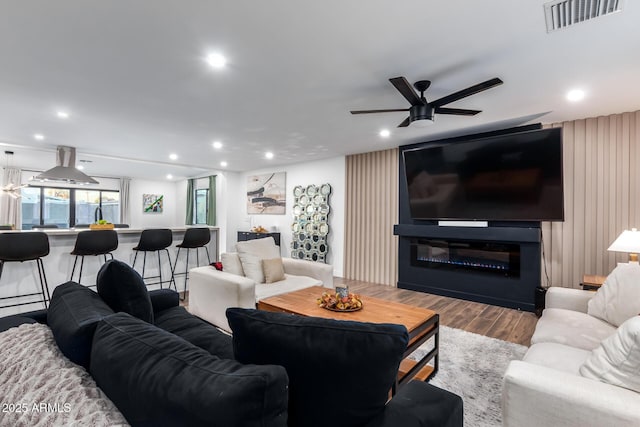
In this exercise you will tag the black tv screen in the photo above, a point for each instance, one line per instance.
(513, 177)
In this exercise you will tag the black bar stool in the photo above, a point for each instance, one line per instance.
(93, 242)
(26, 246)
(194, 238)
(155, 240)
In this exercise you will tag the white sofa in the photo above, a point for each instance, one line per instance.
(211, 291)
(571, 375)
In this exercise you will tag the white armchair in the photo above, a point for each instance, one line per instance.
(211, 291)
(550, 386)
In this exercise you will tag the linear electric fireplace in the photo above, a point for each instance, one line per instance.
(501, 259)
(495, 265)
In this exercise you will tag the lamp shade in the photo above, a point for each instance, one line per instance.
(627, 241)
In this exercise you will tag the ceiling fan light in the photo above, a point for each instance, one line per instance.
(421, 123)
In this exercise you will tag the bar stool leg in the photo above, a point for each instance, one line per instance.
(186, 273)
(43, 282)
(173, 279)
(159, 269)
(81, 265)
(207, 251)
(73, 270)
(175, 264)
(134, 260)
(144, 263)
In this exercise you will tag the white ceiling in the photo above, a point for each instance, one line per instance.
(132, 76)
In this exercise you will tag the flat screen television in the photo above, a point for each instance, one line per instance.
(512, 177)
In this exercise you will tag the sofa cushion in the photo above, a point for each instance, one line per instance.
(123, 289)
(231, 263)
(251, 254)
(289, 284)
(340, 372)
(14, 321)
(557, 356)
(617, 360)
(74, 313)
(273, 270)
(163, 299)
(195, 330)
(571, 328)
(618, 299)
(156, 378)
(252, 267)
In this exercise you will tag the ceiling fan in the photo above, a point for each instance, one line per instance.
(423, 111)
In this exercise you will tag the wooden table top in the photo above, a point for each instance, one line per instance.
(374, 310)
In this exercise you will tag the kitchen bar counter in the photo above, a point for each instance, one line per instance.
(22, 278)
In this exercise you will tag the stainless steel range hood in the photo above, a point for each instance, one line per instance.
(65, 171)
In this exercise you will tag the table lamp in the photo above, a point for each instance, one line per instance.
(628, 241)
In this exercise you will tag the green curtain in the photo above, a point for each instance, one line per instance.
(190, 193)
(211, 212)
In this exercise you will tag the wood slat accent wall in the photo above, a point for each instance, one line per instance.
(601, 193)
(371, 205)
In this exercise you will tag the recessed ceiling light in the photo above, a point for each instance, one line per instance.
(385, 133)
(169, 176)
(80, 167)
(217, 144)
(38, 136)
(173, 156)
(223, 164)
(268, 155)
(575, 95)
(62, 114)
(216, 60)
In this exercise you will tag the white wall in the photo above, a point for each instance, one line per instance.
(330, 171)
(229, 215)
(171, 204)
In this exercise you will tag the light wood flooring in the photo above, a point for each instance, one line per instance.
(492, 321)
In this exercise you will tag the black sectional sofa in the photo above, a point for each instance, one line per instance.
(161, 366)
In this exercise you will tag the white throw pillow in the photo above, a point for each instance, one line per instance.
(231, 263)
(251, 254)
(618, 299)
(252, 266)
(617, 360)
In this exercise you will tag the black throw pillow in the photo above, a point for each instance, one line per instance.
(158, 379)
(123, 289)
(340, 372)
(74, 313)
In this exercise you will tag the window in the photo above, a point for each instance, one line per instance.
(202, 205)
(91, 202)
(66, 207)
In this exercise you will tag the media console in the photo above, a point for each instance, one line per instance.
(493, 265)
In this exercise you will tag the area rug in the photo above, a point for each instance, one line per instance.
(472, 366)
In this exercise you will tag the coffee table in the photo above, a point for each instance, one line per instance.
(421, 324)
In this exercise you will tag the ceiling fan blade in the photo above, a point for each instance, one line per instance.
(405, 123)
(378, 111)
(467, 92)
(457, 111)
(406, 90)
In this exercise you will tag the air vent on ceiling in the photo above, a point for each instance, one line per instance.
(560, 14)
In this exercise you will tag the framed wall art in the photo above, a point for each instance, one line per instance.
(266, 193)
(152, 203)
